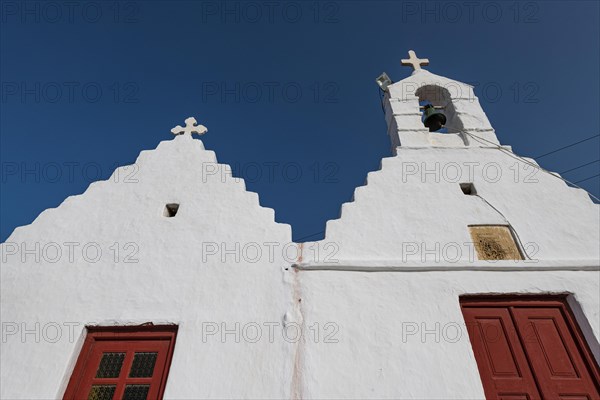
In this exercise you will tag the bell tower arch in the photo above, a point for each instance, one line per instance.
(405, 102)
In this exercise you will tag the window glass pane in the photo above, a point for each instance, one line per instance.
(143, 365)
(102, 392)
(136, 392)
(110, 365)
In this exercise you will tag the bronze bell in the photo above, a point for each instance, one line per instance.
(432, 118)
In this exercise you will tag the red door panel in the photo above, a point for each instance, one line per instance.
(554, 355)
(530, 347)
(501, 360)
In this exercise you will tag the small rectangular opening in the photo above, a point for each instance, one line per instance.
(468, 188)
(171, 210)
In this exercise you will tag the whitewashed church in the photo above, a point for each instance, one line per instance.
(458, 271)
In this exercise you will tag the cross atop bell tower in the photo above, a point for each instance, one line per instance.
(414, 61)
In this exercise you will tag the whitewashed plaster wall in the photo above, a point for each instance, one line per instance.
(401, 335)
(400, 254)
(170, 284)
(416, 200)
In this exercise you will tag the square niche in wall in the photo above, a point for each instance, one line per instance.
(494, 242)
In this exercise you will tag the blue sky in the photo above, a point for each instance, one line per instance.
(283, 87)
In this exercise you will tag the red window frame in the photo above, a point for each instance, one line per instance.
(124, 339)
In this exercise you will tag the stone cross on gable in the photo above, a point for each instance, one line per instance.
(190, 128)
(414, 61)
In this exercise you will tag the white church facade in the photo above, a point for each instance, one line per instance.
(458, 271)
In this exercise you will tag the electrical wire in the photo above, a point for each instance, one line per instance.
(513, 230)
(382, 98)
(381, 95)
(479, 139)
(306, 237)
(516, 157)
(587, 179)
(567, 146)
(583, 165)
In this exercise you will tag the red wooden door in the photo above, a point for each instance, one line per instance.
(530, 348)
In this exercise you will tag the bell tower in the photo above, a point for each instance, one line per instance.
(417, 106)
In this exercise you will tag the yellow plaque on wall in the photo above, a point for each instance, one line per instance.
(494, 242)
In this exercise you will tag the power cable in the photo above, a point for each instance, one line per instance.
(510, 227)
(581, 166)
(305, 237)
(516, 157)
(587, 179)
(567, 146)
